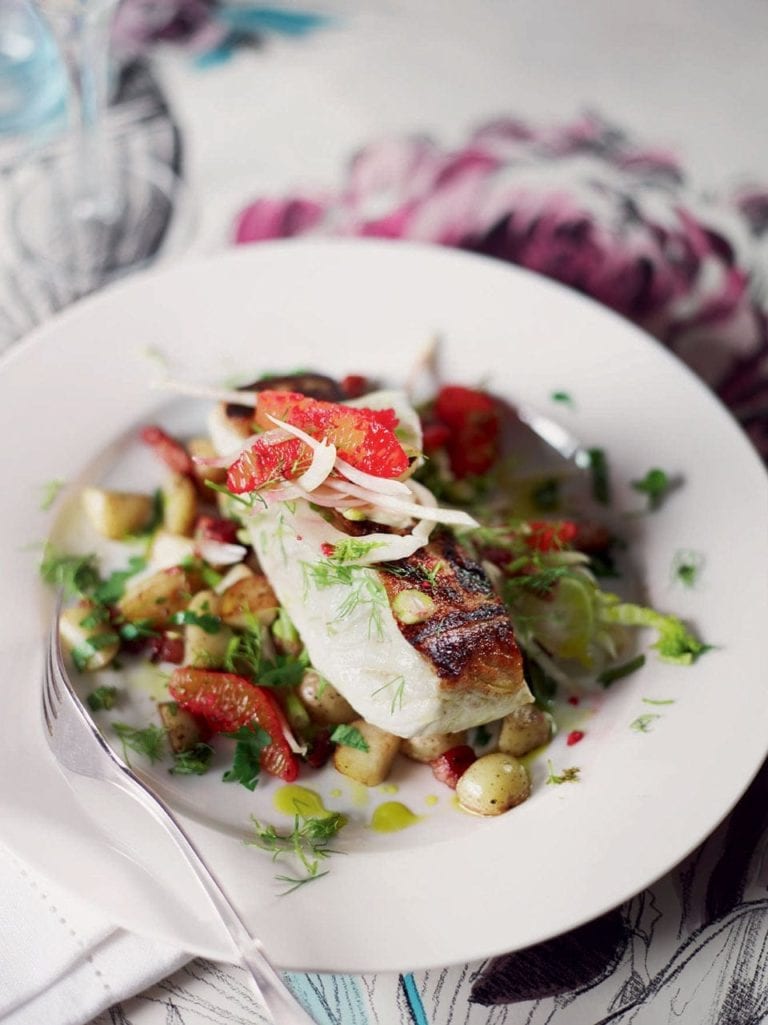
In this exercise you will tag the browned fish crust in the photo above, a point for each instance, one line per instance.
(469, 638)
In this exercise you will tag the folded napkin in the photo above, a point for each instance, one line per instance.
(61, 961)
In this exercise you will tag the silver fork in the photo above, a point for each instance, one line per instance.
(80, 748)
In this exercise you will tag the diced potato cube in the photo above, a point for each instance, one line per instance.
(323, 702)
(179, 505)
(181, 727)
(369, 767)
(157, 598)
(425, 749)
(95, 644)
(205, 648)
(250, 598)
(116, 513)
(524, 730)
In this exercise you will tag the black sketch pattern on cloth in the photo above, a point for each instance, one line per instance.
(692, 950)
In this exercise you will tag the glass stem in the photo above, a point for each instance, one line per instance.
(85, 43)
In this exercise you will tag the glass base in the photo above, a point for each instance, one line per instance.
(78, 238)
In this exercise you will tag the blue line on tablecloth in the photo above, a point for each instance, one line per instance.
(415, 1006)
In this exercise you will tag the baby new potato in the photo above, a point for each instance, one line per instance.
(493, 784)
(323, 702)
(114, 514)
(369, 767)
(524, 730)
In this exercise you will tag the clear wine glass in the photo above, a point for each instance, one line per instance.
(94, 205)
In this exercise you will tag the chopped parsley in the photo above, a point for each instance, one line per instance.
(656, 485)
(308, 842)
(102, 699)
(350, 736)
(109, 591)
(614, 673)
(149, 742)
(194, 762)
(83, 653)
(686, 567)
(137, 629)
(75, 574)
(246, 764)
(570, 775)
(563, 397)
(209, 623)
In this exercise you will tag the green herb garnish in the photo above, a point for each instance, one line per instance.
(75, 574)
(656, 485)
(83, 653)
(675, 643)
(246, 764)
(112, 589)
(102, 699)
(149, 742)
(308, 841)
(643, 722)
(352, 549)
(686, 567)
(194, 762)
(563, 397)
(614, 673)
(570, 775)
(137, 629)
(207, 622)
(350, 736)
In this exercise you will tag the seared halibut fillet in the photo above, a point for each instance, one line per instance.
(422, 645)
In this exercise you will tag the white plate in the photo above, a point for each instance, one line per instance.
(451, 888)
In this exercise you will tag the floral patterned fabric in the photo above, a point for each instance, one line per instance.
(581, 203)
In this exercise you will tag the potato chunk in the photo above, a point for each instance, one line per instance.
(116, 513)
(96, 645)
(369, 767)
(249, 598)
(323, 702)
(426, 749)
(158, 597)
(179, 505)
(524, 730)
(182, 728)
(205, 648)
(493, 784)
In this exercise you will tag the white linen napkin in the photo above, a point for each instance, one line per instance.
(60, 960)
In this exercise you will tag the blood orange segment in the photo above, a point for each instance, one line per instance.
(365, 438)
(226, 702)
(264, 464)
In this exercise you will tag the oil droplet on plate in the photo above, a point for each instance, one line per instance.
(392, 816)
(336, 792)
(431, 800)
(389, 788)
(295, 800)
